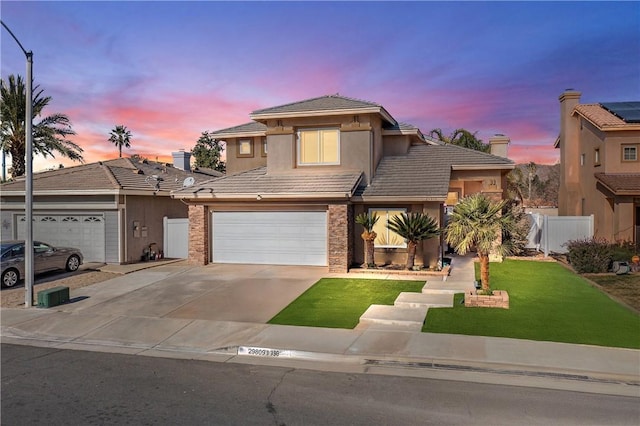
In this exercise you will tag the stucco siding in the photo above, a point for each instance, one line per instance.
(111, 237)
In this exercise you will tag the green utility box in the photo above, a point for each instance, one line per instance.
(53, 297)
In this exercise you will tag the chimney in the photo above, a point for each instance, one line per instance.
(182, 160)
(499, 144)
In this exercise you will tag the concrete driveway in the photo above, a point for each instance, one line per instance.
(242, 293)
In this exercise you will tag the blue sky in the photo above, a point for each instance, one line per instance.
(171, 70)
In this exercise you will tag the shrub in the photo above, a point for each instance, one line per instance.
(589, 255)
(622, 250)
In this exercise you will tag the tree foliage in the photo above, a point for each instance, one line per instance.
(461, 137)
(477, 222)
(413, 227)
(208, 152)
(120, 136)
(534, 185)
(49, 134)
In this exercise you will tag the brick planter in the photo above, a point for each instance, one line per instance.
(499, 299)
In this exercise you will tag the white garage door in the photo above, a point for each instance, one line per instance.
(275, 238)
(85, 232)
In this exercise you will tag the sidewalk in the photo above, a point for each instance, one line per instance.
(450, 357)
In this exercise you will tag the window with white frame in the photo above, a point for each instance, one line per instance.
(629, 153)
(318, 147)
(596, 157)
(386, 238)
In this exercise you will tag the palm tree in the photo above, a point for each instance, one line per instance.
(49, 135)
(478, 222)
(368, 221)
(413, 227)
(120, 136)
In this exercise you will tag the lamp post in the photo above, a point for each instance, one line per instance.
(28, 185)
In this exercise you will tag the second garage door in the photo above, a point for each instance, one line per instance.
(275, 238)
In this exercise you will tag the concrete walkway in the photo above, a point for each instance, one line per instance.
(147, 313)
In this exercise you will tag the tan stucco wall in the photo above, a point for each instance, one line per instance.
(149, 211)
(356, 139)
(396, 145)
(427, 253)
(236, 164)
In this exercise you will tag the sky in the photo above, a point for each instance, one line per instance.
(169, 71)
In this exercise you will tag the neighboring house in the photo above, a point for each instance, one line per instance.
(111, 210)
(298, 174)
(600, 165)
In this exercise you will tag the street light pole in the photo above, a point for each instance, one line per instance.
(28, 185)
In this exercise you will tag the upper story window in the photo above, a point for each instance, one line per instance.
(629, 153)
(582, 159)
(245, 148)
(264, 147)
(318, 147)
(596, 157)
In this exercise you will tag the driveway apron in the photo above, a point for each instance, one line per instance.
(217, 292)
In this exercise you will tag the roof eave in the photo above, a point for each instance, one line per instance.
(263, 196)
(319, 113)
(397, 198)
(239, 134)
(483, 166)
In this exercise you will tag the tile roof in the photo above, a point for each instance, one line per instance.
(257, 182)
(602, 118)
(252, 127)
(121, 174)
(425, 171)
(621, 183)
(324, 104)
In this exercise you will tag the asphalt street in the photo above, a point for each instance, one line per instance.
(54, 387)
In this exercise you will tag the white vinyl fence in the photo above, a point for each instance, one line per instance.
(550, 233)
(176, 238)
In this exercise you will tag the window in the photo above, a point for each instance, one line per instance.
(582, 159)
(318, 147)
(245, 148)
(629, 153)
(386, 238)
(264, 147)
(596, 157)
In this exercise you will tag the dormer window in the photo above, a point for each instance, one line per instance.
(318, 147)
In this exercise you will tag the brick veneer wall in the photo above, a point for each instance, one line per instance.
(499, 299)
(198, 233)
(340, 239)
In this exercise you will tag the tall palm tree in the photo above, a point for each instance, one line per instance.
(49, 134)
(479, 222)
(413, 227)
(368, 221)
(120, 136)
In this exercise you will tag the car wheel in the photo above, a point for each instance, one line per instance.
(73, 263)
(10, 277)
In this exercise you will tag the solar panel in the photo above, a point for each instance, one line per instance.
(629, 112)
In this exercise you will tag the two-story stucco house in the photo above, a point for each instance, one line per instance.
(299, 173)
(600, 165)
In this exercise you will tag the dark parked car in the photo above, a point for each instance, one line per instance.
(45, 258)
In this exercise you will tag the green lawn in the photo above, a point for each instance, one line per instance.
(339, 302)
(547, 302)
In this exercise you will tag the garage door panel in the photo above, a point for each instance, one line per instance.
(83, 232)
(282, 238)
